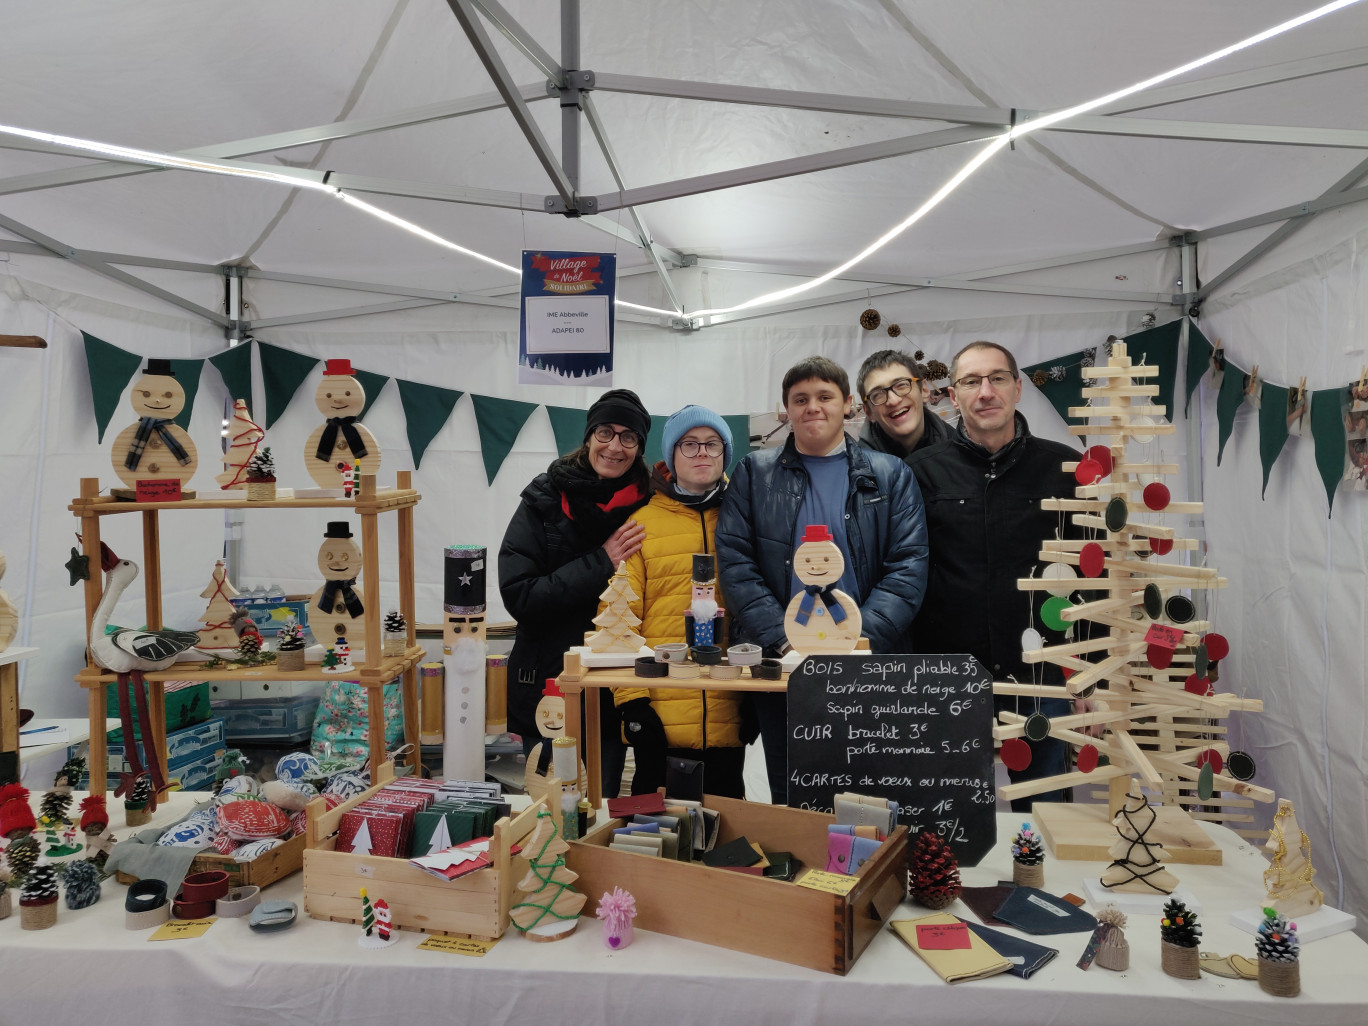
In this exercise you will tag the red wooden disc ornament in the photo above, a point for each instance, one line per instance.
(1210, 756)
(1087, 759)
(1091, 559)
(1197, 685)
(1161, 546)
(1016, 754)
(1102, 456)
(1156, 495)
(1158, 656)
(1217, 647)
(1088, 472)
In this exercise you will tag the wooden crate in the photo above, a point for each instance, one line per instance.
(772, 918)
(476, 905)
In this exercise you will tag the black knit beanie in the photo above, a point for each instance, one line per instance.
(619, 406)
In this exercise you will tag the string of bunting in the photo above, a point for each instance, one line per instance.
(426, 407)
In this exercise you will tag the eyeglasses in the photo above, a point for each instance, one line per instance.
(879, 396)
(973, 382)
(627, 439)
(690, 448)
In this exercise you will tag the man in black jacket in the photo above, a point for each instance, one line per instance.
(982, 489)
(892, 386)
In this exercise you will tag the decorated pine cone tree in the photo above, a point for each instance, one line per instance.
(1279, 950)
(70, 774)
(291, 636)
(82, 879)
(933, 871)
(261, 467)
(395, 622)
(1026, 847)
(38, 898)
(1181, 933)
(396, 633)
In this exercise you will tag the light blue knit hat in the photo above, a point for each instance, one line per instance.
(683, 421)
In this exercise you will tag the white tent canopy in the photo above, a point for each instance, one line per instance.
(727, 150)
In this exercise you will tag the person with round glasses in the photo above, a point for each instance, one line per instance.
(892, 386)
(680, 522)
(567, 537)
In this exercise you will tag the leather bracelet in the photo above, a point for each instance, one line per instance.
(239, 902)
(182, 909)
(767, 669)
(724, 671)
(207, 886)
(686, 671)
(744, 655)
(147, 919)
(671, 651)
(145, 895)
(647, 666)
(706, 655)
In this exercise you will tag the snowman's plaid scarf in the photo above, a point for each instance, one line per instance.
(144, 433)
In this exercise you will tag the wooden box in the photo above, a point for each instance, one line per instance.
(476, 905)
(772, 918)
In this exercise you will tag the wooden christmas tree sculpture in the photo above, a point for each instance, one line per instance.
(1289, 879)
(548, 907)
(9, 615)
(615, 623)
(1136, 861)
(1151, 672)
(244, 439)
(155, 448)
(341, 441)
(933, 871)
(217, 634)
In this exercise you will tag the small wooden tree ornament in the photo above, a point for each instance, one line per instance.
(244, 439)
(9, 614)
(1137, 862)
(617, 620)
(335, 609)
(217, 634)
(1291, 891)
(548, 906)
(339, 442)
(155, 448)
(821, 618)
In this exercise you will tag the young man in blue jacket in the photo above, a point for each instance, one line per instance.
(868, 500)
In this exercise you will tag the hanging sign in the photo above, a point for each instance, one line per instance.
(566, 335)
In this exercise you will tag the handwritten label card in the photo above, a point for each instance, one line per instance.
(830, 883)
(158, 490)
(182, 929)
(1164, 636)
(458, 945)
(943, 936)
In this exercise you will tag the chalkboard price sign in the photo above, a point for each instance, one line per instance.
(913, 728)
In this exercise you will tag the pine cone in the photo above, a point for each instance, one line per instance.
(22, 856)
(395, 622)
(1277, 938)
(1026, 847)
(1179, 925)
(55, 805)
(40, 886)
(140, 794)
(869, 320)
(249, 644)
(935, 370)
(933, 871)
(894, 331)
(70, 774)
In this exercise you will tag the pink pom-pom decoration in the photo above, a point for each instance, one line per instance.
(617, 910)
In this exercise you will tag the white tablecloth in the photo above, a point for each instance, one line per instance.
(89, 968)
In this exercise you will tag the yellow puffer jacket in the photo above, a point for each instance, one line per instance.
(661, 573)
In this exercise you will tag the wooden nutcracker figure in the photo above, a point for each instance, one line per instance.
(155, 448)
(464, 651)
(703, 619)
(821, 618)
(339, 443)
(335, 609)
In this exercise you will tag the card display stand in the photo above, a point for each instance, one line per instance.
(376, 671)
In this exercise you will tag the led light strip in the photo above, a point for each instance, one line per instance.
(170, 160)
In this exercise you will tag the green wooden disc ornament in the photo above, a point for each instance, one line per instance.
(1240, 765)
(1037, 726)
(1154, 601)
(1116, 515)
(1051, 613)
(1180, 609)
(1206, 782)
(1200, 661)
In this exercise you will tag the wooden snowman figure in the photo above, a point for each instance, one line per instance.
(155, 448)
(336, 445)
(335, 609)
(821, 618)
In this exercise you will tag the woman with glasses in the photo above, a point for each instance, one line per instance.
(680, 522)
(566, 538)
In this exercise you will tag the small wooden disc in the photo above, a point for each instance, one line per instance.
(1240, 765)
(1154, 601)
(1211, 757)
(1092, 559)
(1200, 662)
(1180, 609)
(1159, 657)
(1037, 726)
(1066, 575)
(1088, 471)
(1101, 455)
(1087, 759)
(1197, 685)
(1049, 613)
(1206, 783)
(1217, 646)
(1016, 754)
(1156, 496)
(1161, 546)
(1117, 514)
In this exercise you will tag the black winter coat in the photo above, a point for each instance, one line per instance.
(551, 572)
(986, 527)
(885, 532)
(937, 429)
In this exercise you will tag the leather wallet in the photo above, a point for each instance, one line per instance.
(684, 778)
(734, 853)
(626, 808)
(975, 962)
(984, 901)
(1026, 956)
(1034, 911)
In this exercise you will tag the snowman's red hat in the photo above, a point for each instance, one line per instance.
(338, 368)
(816, 533)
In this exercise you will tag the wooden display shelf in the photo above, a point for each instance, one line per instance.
(368, 504)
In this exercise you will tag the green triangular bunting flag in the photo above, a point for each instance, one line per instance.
(1327, 428)
(235, 367)
(1198, 359)
(1158, 347)
(283, 372)
(110, 371)
(426, 409)
(372, 384)
(1272, 427)
(188, 374)
(1228, 402)
(740, 429)
(499, 421)
(568, 427)
(1068, 390)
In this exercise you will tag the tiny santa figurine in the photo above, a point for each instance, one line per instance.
(341, 441)
(703, 619)
(821, 617)
(384, 920)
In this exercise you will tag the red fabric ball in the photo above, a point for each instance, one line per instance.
(1016, 754)
(1156, 495)
(1087, 759)
(1091, 559)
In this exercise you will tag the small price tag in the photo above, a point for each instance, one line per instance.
(158, 490)
(182, 929)
(943, 936)
(1164, 636)
(458, 946)
(830, 883)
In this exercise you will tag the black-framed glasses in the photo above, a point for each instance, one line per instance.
(973, 382)
(690, 448)
(879, 396)
(627, 439)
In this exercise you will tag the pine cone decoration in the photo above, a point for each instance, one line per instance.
(1179, 925)
(55, 805)
(291, 638)
(249, 645)
(261, 467)
(1039, 378)
(1277, 938)
(1026, 847)
(70, 774)
(395, 622)
(22, 856)
(140, 794)
(894, 331)
(869, 320)
(82, 884)
(936, 371)
(933, 871)
(40, 886)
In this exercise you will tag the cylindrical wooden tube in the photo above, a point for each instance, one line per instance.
(496, 694)
(1281, 979)
(431, 681)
